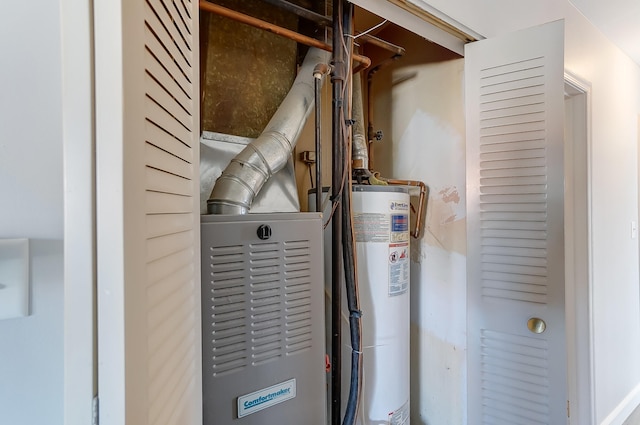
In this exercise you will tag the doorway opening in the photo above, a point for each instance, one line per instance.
(578, 251)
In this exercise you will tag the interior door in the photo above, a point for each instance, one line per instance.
(148, 238)
(515, 195)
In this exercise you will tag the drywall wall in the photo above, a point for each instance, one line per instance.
(418, 105)
(428, 132)
(31, 348)
(31, 354)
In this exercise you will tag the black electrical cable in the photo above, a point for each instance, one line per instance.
(355, 322)
(348, 249)
(337, 78)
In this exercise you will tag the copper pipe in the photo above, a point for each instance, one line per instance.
(267, 26)
(424, 190)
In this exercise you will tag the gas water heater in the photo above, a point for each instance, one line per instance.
(262, 319)
(381, 227)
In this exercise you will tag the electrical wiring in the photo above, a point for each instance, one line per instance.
(348, 238)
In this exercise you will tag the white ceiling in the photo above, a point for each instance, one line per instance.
(619, 20)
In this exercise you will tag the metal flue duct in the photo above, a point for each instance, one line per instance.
(243, 178)
(360, 150)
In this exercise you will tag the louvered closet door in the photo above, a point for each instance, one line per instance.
(147, 121)
(514, 97)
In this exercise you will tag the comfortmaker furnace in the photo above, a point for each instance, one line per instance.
(263, 345)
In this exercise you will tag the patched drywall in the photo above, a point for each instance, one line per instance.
(418, 105)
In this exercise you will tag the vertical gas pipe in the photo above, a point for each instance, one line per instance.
(318, 72)
(338, 74)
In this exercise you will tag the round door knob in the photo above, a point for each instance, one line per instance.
(536, 325)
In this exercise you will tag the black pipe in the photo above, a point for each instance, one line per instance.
(372, 39)
(318, 95)
(318, 73)
(349, 262)
(337, 78)
(355, 322)
(301, 12)
(326, 22)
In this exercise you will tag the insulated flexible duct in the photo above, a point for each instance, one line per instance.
(243, 178)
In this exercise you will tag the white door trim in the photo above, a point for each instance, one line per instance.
(80, 363)
(578, 245)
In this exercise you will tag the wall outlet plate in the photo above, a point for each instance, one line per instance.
(14, 278)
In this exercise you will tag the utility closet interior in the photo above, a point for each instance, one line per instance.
(345, 306)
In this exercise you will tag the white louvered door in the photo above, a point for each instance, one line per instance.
(148, 259)
(515, 198)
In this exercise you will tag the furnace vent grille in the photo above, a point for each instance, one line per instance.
(259, 303)
(297, 283)
(266, 302)
(228, 309)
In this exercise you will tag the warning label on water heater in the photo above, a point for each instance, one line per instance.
(398, 268)
(371, 227)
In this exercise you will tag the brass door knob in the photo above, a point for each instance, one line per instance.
(536, 325)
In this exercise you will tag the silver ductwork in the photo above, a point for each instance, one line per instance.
(359, 149)
(245, 175)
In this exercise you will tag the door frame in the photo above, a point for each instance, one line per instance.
(80, 347)
(578, 251)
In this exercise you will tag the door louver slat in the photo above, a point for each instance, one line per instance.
(169, 205)
(507, 81)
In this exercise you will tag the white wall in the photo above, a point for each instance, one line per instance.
(31, 348)
(419, 106)
(428, 136)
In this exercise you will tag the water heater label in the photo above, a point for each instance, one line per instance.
(399, 227)
(398, 268)
(371, 227)
(261, 399)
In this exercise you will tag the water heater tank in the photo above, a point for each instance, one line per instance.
(381, 226)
